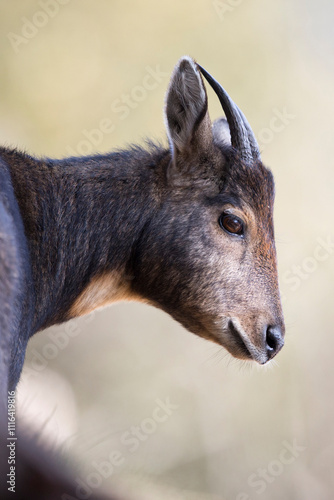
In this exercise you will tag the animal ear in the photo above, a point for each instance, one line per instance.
(221, 132)
(186, 112)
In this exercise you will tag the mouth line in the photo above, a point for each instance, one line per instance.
(238, 340)
(246, 347)
(235, 340)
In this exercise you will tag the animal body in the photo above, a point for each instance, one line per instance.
(187, 228)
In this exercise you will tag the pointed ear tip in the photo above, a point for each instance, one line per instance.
(220, 120)
(184, 61)
(220, 123)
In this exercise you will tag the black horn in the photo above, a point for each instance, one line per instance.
(242, 136)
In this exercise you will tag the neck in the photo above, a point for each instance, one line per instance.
(82, 219)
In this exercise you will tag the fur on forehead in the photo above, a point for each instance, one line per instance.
(252, 184)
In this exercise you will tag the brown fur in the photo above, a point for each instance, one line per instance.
(141, 224)
(83, 226)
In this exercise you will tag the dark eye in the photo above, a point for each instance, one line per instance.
(231, 223)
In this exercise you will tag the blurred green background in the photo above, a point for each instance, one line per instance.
(93, 387)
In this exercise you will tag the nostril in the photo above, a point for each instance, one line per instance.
(274, 340)
(271, 338)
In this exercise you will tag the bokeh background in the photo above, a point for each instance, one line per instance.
(92, 387)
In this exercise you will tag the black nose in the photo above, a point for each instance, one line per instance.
(274, 340)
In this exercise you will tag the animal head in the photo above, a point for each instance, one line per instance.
(208, 256)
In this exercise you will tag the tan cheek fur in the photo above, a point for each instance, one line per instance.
(100, 292)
